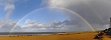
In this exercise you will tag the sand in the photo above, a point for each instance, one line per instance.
(72, 36)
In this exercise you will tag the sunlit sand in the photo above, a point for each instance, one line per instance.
(71, 36)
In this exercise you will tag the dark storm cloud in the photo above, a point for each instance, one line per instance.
(94, 11)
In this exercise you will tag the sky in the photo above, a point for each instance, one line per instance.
(54, 15)
(23, 10)
(22, 7)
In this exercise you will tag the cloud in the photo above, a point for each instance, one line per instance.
(9, 8)
(94, 11)
(6, 27)
(90, 10)
(31, 26)
(64, 26)
(63, 3)
(8, 5)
